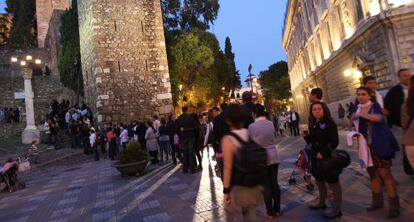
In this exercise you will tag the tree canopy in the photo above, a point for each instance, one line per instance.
(276, 84)
(187, 15)
(24, 28)
(69, 59)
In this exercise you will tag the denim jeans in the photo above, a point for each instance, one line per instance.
(163, 150)
(271, 192)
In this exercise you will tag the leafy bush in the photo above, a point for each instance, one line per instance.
(133, 153)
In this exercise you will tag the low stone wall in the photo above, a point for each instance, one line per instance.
(8, 130)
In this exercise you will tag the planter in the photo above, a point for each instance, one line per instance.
(131, 169)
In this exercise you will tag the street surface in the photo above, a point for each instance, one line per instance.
(94, 191)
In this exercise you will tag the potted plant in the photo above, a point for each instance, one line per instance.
(132, 161)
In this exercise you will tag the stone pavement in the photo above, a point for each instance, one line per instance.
(94, 191)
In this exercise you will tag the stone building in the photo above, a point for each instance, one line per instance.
(331, 44)
(44, 13)
(124, 61)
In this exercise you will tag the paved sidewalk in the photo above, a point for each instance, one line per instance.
(94, 191)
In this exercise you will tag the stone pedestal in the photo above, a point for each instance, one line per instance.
(31, 132)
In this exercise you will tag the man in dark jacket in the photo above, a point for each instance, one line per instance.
(141, 129)
(294, 121)
(186, 126)
(395, 98)
(220, 129)
(248, 106)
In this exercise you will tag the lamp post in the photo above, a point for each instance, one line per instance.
(27, 64)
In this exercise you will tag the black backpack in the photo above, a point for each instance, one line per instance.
(250, 164)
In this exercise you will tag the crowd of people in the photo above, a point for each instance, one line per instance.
(243, 140)
(9, 115)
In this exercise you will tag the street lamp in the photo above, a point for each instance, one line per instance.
(30, 133)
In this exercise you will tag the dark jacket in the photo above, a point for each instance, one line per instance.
(220, 128)
(141, 129)
(185, 126)
(393, 102)
(323, 136)
(297, 117)
(171, 128)
(248, 108)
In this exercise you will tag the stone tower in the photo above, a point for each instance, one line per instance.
(44, 11)
(124, 60)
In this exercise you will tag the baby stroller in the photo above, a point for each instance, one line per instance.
(303, 164)
(8, 177)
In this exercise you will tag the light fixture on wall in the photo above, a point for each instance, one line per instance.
(355, 73)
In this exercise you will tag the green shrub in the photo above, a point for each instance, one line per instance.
(133, 153)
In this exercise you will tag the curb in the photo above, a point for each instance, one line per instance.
(55, 160)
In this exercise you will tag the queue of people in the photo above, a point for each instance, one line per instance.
(243, 138)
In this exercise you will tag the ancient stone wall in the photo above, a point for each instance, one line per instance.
(44, 11)
(124, 61)
(52, 41)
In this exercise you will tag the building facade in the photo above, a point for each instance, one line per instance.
(331, 44)
(124, 59)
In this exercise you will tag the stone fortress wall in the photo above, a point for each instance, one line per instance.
(124, 61)
(44, 13)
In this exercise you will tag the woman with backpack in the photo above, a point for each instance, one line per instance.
(240, 201)
(262, 132)
(407, 121)
(323, 137)
(369, 122)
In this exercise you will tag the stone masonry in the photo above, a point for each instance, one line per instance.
(124, 61)
(44, 11)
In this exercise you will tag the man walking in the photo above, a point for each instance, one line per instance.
(186, 130)
(220, 129)
(294, 121)
(395, 98)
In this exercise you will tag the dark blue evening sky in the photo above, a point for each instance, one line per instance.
(255, 30)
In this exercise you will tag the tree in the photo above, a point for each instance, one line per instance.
(70, 75)
(11, 5)
(5, 29)
(24, 29)
(234, 73)
(187, 15)
(276, 84)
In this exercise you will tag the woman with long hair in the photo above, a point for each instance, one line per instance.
(369, 122)
(323, 137)
(407, 116)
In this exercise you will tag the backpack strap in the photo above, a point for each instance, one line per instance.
(240, 140)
